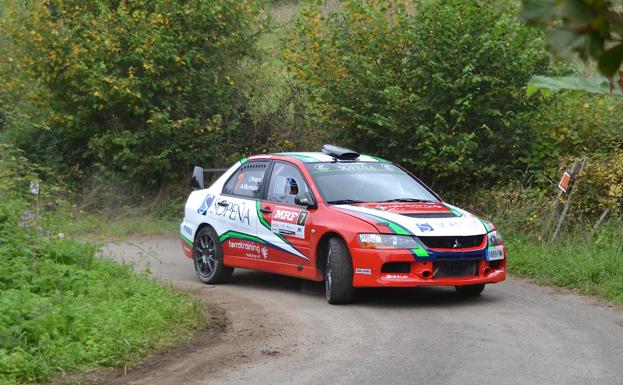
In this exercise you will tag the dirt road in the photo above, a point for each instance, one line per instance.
(278, 330)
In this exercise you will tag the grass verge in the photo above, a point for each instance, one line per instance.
(100, 227)
(591, 264)
(64, 309)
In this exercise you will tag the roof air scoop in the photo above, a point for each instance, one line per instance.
(340, 152)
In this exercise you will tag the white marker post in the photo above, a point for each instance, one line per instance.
(34, 189)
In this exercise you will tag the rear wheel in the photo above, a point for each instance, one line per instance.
(208, 258)
(470, 290)
(338, 276)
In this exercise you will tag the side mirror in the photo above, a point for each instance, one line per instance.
(198, 182)
(305, 199)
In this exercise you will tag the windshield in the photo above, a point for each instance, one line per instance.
(357, 182)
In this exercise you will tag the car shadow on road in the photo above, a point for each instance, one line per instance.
(376, 297)
(429, 297)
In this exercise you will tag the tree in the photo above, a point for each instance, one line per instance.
(590, 29)
(139, 88)
(437, 85)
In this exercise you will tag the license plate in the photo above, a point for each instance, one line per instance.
(456, 269)
(496, 253)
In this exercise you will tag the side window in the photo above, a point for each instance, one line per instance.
(247, 181)
(286, 182)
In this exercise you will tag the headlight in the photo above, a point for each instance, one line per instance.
(494, 238)
(387, 241)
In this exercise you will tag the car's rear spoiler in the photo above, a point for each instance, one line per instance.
(199, 173)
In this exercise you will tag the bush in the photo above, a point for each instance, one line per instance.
(63, 308)
(142, 88)
(576, 126)
(439, 86)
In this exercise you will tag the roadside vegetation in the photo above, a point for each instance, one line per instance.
(116, 101)
(63, 307)
(582, 257)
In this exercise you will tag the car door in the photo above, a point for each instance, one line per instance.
(235, 209)
(287, 223)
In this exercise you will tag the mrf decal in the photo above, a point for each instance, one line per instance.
(289, 222)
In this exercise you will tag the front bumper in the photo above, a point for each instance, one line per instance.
(368, 270)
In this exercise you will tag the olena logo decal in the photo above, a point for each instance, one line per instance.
(233, 211)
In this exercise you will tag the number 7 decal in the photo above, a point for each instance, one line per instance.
(302, 218)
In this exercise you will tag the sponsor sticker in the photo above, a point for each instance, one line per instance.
(250, 249)
(355, 167)
(396, 276)
(188, 230)
(424, 227)
(495, 253)
(289, 222)
(205, 206)
(233, 211)
(363, 271)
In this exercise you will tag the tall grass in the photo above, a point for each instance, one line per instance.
(581, 258)
(592, 264)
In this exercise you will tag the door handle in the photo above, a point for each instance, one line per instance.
(223, 203)
(266, 210)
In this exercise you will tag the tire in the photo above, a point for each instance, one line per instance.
(470, 290)
(208, 258)
(338, 276)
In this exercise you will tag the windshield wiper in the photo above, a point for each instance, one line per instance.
(344, 202)
(405, 200)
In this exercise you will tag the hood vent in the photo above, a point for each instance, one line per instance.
(431, 215)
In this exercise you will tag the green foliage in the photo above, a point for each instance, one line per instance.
(576, 126)
(438, 86)
(594, 85)
(141, 88)
(582, 259)
(63, 308)
(589, 263)
(592, 29)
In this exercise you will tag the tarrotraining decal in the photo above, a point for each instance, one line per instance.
(252, 250)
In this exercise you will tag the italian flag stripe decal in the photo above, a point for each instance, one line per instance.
(188, 241)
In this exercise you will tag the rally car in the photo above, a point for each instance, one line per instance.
(336, 216)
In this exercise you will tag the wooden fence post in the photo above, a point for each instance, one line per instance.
(577, 167)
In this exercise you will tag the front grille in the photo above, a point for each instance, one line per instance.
(453, 242)
(396, 267)
(455, 269)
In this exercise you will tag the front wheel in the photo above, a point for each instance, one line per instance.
(338, 276)
(208, 258)
(470, 290)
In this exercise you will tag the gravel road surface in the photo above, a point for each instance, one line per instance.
(270, 329)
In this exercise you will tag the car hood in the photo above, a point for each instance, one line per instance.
(419, 218)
